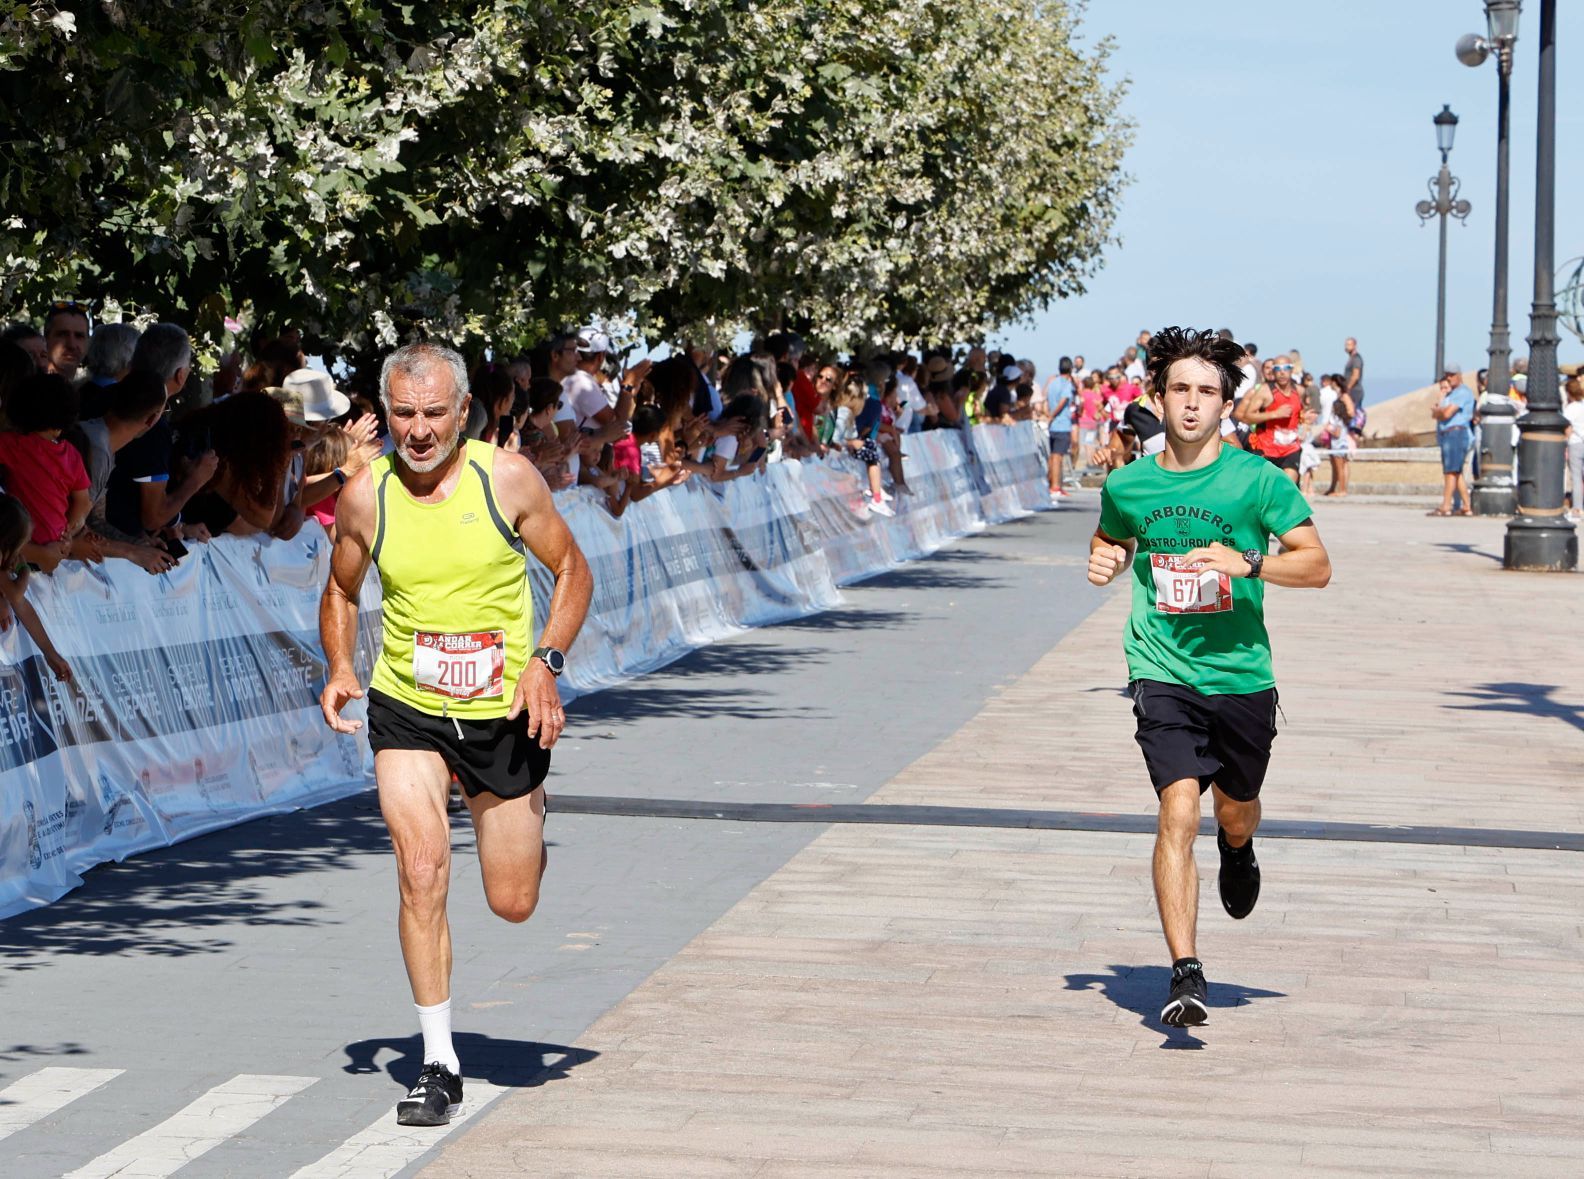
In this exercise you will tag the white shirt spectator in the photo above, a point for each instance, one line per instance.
(911, 400)
(585, 396)
(1135, 371)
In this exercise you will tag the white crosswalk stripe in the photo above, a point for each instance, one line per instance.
(385, 1148)
(40, 1094)
(221, 1113)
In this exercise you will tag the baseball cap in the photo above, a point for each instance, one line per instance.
(591, 339)
(321, 400)
(1012, 373)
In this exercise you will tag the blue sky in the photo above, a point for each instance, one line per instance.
(1279, 151)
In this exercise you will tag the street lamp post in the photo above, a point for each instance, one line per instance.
(1494, 493)
(1540, 536)
(1444, 188)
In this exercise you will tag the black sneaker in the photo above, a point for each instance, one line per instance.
(1240, 876)
(434, 1100)
(1187, 1007)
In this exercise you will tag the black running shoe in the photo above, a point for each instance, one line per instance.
(1240, 876)
(1187, 1007)
(433, 1101)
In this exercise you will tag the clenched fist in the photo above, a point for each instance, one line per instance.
(1105, 562)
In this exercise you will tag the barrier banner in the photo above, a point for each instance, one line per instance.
(194, 703)
(193, 706)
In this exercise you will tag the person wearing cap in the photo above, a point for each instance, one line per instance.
(1454, 416)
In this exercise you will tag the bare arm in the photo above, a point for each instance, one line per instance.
(338, 606)
(526, 501)
(1303, 562)
(160, 503)
(14, 589)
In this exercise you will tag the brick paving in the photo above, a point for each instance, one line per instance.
(935, 1001)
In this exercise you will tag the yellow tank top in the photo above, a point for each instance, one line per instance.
(458, 613)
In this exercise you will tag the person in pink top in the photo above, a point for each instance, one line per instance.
(1091, 404)
(44, 473)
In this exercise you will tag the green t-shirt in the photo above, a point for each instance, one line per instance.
(1220, 646)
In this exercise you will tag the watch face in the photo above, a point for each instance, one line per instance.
(555, 660)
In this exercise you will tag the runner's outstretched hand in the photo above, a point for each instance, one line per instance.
(1105, 562)
(537, 693)
(337, 693)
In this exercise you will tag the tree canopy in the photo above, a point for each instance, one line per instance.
(876, 170)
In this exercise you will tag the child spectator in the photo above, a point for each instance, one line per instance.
(44, 472)
(15, 529)
(251, 438)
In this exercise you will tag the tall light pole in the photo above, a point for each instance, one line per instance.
(1540, 537)
(1494, 493)
(1444, 188)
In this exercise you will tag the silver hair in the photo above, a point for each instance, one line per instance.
(110, 350)
(419, 357)
(164, 350)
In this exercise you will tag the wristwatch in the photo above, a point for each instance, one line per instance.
(1256, 560)
(340, 476)
(551, 658)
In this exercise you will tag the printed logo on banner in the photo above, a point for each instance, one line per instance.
(116, 613)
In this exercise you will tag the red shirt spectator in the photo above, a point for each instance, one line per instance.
(42, 472)
(806, 398)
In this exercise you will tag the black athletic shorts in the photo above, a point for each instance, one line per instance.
(1220, 739)
(496, 756)
(1287, 462)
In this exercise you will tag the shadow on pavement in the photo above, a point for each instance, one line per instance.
(1469, 550)
(1142, 990)
(1528, 699)
(520, 1064)
(169, 902)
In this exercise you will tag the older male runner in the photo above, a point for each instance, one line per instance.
(1200, 515)
(447, 525)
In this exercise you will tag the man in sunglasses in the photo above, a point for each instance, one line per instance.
(1273, 413)
(66, 337)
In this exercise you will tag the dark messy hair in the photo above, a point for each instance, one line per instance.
(1172, 344)
(45, 401)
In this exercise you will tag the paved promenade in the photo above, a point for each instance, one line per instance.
(915, 1001)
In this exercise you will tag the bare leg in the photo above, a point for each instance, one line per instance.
(1176, 874)
(874, 483)
(413, 785)
(1448, 486)
(1238, 819)
(511, 851)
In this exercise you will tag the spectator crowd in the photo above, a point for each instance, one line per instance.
(1100, 418)
(113, 449)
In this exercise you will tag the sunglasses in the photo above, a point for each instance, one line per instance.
(1281, 368)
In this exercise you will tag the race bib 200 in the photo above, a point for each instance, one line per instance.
(463, 667)
(1180, 589)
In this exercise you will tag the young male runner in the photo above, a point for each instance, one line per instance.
(447, 524)
(1199, 516)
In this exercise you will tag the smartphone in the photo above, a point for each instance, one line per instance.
(759, 453)
(199, 443)
(503, 429)
(586, 430)
(175, 548)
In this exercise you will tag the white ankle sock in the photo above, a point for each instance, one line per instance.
(435, 1023)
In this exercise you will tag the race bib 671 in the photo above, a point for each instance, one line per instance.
(1182, 589)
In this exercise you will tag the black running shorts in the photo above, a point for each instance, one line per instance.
(1220, 739)
(1287, 462)
(493, 756)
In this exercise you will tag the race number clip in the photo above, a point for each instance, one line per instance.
(1182, 589)
(461, 667)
